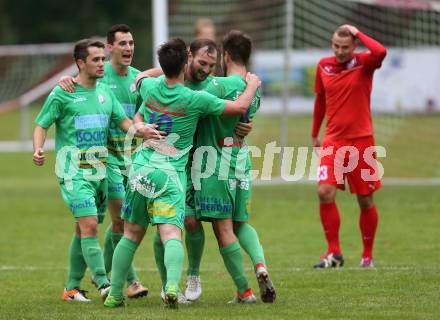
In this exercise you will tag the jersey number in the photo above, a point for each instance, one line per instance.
(164, 121)
(322, 173)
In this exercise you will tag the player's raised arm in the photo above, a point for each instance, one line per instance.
(243, 102)
(377, 50)
(38, 141)
(150, 73)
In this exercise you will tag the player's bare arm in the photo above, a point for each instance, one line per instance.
(67, 83)
(150, 73)
(148, 131)
(376, 48)
(38, 142)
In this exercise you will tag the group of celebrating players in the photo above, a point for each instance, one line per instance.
(193, 164)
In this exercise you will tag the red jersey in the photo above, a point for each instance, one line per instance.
(343, 92)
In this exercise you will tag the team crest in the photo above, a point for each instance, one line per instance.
(133, 87)
(351, 64)
(101, 98)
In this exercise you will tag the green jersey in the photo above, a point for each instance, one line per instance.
(219, 131)
(82, 119)
(198, 86)
(124, 88)
(176, 111)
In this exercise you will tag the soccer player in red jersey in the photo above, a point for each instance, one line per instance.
(343, 90)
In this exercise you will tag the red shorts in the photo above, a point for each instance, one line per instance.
(353, 160)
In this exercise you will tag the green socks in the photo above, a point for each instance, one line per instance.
(233, 260)
(110, 243)
(93, 257)
(122, 259)
(195, 243)
(159, 252)
(108, 249)
(249, 241)
(131, 275)
(173, 260)
(77, 264)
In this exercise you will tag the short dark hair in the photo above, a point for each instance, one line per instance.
(116, 28)
(81, 49)
(198, 44)
(238, 45)
(172, 56)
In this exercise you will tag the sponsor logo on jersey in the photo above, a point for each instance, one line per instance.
(91, 121)
(214, 204)
(79, 99)
(84, 136)
(351, 64)
(82, 204)
(112, 86)
(130, 109)
(119, 187)
(101, 98)
(162, 209)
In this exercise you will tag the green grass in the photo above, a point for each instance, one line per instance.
(37, 226)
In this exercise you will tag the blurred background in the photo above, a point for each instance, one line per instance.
(290, 36)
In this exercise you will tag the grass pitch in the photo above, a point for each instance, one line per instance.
(37, 227)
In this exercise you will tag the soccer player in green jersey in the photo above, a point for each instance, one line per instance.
(224, 197)
(82, 119)
(202, 59)
(120, 76)
(157, 178)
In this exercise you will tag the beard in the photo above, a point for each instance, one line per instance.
(196, 75)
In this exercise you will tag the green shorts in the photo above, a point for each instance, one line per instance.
(222, 199)
(85, 198)
(189, 200)
(116, 181)
(154, 196)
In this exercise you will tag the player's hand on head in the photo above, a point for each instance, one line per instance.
(67, 83)
(39, 157)
(242, 129)
(252, 80)
(352, 29)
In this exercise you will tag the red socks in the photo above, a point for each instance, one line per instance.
(330, 222)
(368, 225)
